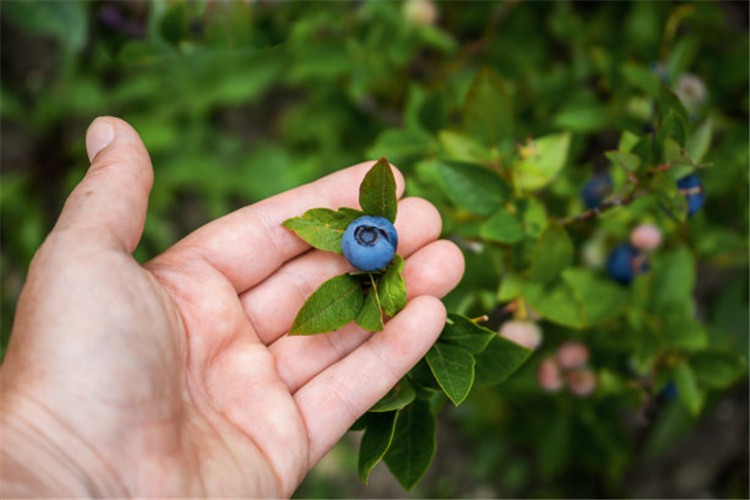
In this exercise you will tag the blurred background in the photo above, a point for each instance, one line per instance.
(239, 100)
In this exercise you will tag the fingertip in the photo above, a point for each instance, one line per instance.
(432, 309)
(434, 270)
(99, 135)
(428, 314)
(111, 200)
(455, 257)
(421, 218)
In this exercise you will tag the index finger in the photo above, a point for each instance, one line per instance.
(249, 244)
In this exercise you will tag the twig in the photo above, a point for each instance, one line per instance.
(621, 200)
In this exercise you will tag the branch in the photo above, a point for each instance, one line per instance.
(622, 200)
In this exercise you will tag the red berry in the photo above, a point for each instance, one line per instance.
(572, 354)
(549, 375)
(581, 382)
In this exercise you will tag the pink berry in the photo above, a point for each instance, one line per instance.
(646, 237)
(421, 11)
(572, 354)
(581, 382)
(525, 333)
(549, 376)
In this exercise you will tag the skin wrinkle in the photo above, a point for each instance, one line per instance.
(31, 434)
(111, 472)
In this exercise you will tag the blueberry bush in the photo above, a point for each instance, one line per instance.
(590, 159)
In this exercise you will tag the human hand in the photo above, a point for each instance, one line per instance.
(176, 378)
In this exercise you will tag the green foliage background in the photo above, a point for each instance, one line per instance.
(237, 101)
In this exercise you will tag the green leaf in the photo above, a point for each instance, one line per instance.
(402, 146)
(717, 368)
(642, 77)
(600, 299)
(499, 360)
(401, 395)
(377, 193)
(683, 332)
(533, 216)
(687, 387)
(433, 113)
(66, 21)
(503, 227)
(173, 24)
(361, 423)
(673, 127)
(628, 161)
(488, 115)
(323, 227)
(682, 163)
(424, 380)
(664, 188)
(549, 155)
(463, 332)
(453, 367)
(392, 288)
(510, 287)
(474, 188)
(556, 302)
(699, 142)
(334, 304)
(582, 113)
(413, 446)
(461, 147)
(644, 149)
(552, 253)
(673, 282)
(370, 316)
(375, 442)
(627, 140)
(670, 103)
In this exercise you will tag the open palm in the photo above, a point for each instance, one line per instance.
(178, 378)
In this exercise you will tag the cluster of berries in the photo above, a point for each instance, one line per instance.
(630, 259)
(568, 367)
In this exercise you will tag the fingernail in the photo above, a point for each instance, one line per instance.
(99, 135)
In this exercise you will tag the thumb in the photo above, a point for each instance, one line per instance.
(108, 207)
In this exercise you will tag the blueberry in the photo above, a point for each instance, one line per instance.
(598, 187)
(369, 243)
(625, 262)
(670, 391)
(692, 187)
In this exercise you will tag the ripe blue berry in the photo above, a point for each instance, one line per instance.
(692, 187)
(625, 262)
(598, 187)
(369, 243)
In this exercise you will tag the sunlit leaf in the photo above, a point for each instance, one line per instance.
(377, 193)
(453, 367)
(334, 304)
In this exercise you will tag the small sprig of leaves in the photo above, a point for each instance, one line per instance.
(360, 297)
(400, 428)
